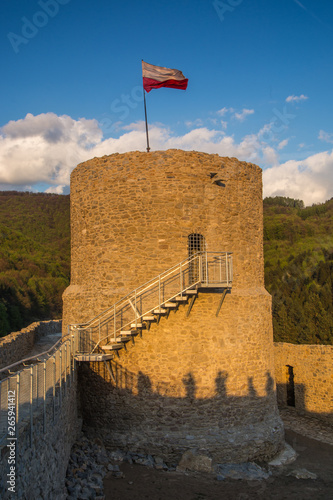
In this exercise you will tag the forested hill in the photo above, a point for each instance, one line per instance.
(298, 244)
(34, 257)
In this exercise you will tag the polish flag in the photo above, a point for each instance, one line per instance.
(155, 77)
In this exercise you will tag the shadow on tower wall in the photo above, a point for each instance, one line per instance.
(132, 414)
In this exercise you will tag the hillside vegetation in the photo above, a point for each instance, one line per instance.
(34, 257)
(298, 245)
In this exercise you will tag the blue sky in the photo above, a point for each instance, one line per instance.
(260, 80)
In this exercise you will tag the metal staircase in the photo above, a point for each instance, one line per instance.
(101, 338)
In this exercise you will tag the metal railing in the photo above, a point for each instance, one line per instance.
(203, 269)
(37, 387)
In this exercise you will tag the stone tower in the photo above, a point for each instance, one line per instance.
(200, 381)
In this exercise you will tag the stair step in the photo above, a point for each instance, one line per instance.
(93, 357)
(122, 338)
(148, 318)
(111, 347)
(180, 299)
(116, 340)
(128, 333)
(170, 305)
(160, 311)
(138, 325)
(191, 292)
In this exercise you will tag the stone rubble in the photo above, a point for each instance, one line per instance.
(286, 456)
(195, 462)
(248, 471)
(302, 474)
(90, 462)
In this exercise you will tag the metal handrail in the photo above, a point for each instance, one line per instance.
(36, 356)
(166, 273)
(35, 387)
(199, 269)
(150, 282)
(140, 316)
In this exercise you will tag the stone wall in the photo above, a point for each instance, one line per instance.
(202, 382)
(312, 371)
(41, 465)
(17, 345)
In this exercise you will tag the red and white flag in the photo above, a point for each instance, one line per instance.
(155, 77)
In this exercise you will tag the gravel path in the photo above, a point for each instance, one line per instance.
(44, 344)
(307, 426)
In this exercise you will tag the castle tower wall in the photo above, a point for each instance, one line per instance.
(202, 381)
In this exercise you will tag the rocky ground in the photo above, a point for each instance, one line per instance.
(100, 474)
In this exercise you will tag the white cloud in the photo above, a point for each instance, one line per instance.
(224, 124)
(239, 116)
(55, 189)
(296, 98)
(54, 129)
(265, 133)
(44, 149)
(246, 112)
(310, 180)
(225, 110)
(195, 123)
(140, 126)
(283, 144)
(325, 136)
(270, 155)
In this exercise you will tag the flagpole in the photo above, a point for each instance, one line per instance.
(144, 100)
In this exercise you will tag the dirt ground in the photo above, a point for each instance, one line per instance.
(142, 483)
